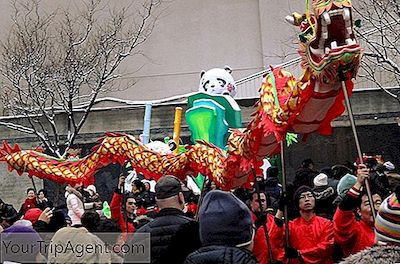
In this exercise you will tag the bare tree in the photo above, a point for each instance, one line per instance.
(380, 35)
(53, 63)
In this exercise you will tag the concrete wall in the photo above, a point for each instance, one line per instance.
(191, 36)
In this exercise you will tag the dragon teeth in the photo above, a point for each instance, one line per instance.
(327, 50)
(346, 14)
(326, 19)
(333, 45)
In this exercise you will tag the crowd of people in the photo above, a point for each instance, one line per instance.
(330, 215)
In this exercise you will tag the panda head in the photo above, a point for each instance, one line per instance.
(218, 81)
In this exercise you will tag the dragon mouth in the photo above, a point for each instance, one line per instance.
(334, 33)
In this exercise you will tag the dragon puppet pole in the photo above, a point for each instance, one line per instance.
(177, 128)
(146, 124)
(200, 198)
(284, 194)
(264, 223)
(359, 153)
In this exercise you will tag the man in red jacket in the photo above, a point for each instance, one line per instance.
(116, 208)
(274, 228)
(311, 236)
(352, 235)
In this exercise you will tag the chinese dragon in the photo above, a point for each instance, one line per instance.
(330, 56)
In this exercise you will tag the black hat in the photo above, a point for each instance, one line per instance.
(224, 220)
(299, 191)
(168, 186)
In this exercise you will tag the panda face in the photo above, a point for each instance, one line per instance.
(214, 86)
(217, 81)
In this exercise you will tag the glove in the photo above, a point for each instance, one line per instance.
(291, 253)
(261, 220)
(283, 200)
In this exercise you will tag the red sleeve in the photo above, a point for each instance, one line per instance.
(115, 207)
(260, 249)
(344, 226)
(277, 238)
(323, 250)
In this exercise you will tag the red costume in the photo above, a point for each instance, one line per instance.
(313, 239)
(352, 235)
(116, 213)
(260, 247)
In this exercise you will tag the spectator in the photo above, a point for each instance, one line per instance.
(226, 231)
(42, 201)
(90, 220)
(123, 212)
(32, 215)
(344, 185)
(324, 196)
(265, 224)
(8, 215)
(75, 204)
(272, 186)
(311, 236)
(173, 235)
(22, 237)
(305, 174)
(387, 229)
(79, 239)
(92, 201)
(112, 238)
(30, 202)
(151, 196)
(352, 235)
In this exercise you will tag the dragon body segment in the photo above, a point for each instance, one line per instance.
(330, 55)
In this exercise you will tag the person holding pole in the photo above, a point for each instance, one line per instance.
(352, 235)
(123, 213)
(268, 239)
(311, 236)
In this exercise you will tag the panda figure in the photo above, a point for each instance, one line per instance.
(218, 81)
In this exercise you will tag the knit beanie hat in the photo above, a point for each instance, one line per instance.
(299, 191)
(32, 215)
(321, 180)
(345, 183)
(224, 220)
(387, 222)
(25, 238)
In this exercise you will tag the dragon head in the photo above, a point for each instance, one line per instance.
(328, 45)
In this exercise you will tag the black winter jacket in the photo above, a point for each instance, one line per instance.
(173, 237)
(221, 255)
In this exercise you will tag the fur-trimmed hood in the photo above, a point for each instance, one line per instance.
(376, 255)
(70, 189)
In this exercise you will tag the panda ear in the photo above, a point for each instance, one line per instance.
(228, 69)
(202, 73)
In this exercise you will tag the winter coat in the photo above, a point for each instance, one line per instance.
(221, 255)
(44, 204)
(8, 215)
(351, 235)
(313, 239)
(376, 255)
(260, 247)
(28, 204)
(116, 213)
(173, 236)
(273, 188)
(74, 205)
